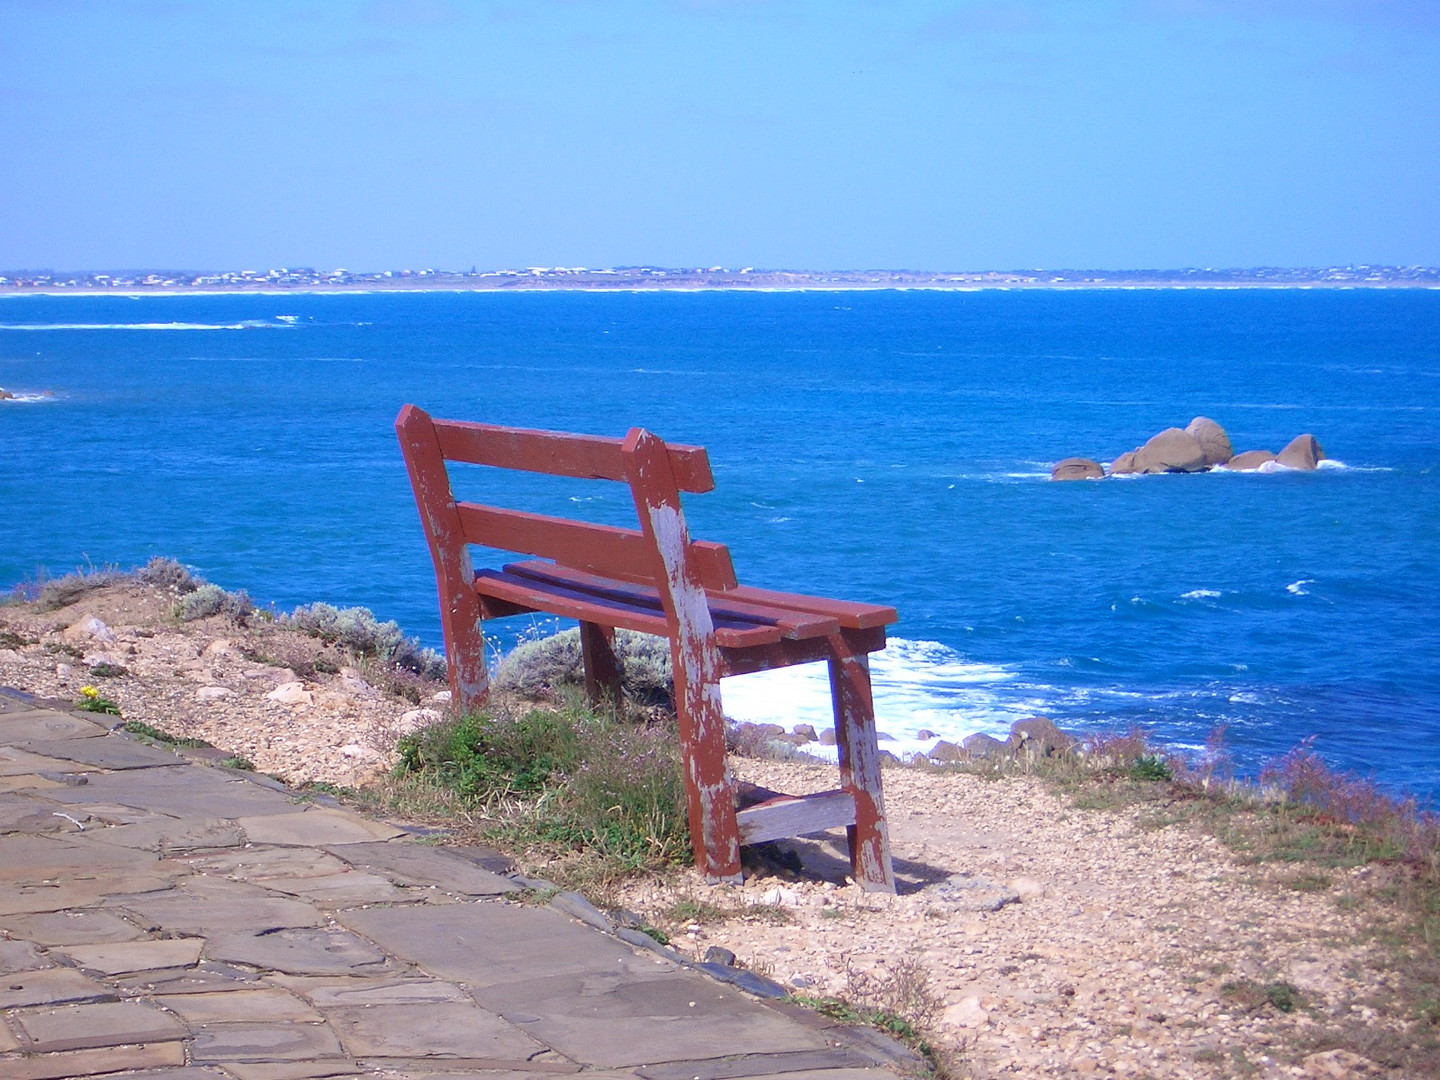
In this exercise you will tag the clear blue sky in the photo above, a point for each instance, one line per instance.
(846, 134)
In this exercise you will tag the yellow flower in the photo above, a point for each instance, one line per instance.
(89, 692)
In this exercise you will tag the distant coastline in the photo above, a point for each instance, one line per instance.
(286, 281)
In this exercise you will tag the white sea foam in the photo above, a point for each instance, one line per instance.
(247, 325)
(918, 685)
(21, 397)
(1200, 594)
(1297, 588)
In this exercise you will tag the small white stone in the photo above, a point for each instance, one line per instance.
(417, 718)
(213, 693)
(360, 753)
(441, 698)
(89, 628)
(966, 1013)
(290, 693)
(9, 656)
(219, 647)
(64, 670)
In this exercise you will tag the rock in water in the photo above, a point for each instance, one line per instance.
(1124, 464)
(1302, 453)
(1077, 468)
(1250, 460)
(1212, 439)
(1039, 735)
(1172, 450)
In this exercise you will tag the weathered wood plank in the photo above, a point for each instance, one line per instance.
(710, 796)
(859, 753)
(589, 607)
(459, 609)
(848, 612)
(790, 623)
(792, 815)
(602, 667)
(587, 457)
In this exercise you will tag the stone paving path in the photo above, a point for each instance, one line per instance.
(161, 917)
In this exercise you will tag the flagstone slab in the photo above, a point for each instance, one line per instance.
(425, 865)
(832, 1062)
(191, 791)
(70, 928)
(200, 905)
(8, 1042)
(15, 762)
(326, 992)
(259, 1042)
(316, 826)
(207, 977)
(267, 1003)
(261, 862)
(23, 855)
(111, 752)
(183, 1072)
(128, 957)
(433, 1029)
(167, 835)
(336, 1069)
(486, 944)
(20, 956)
(44, 890)
(85, 1027)
(29, 782)
(81, 1063)
(300, 951)
(609, 1020)
(350, 888)
(30, 725)
(26, 812)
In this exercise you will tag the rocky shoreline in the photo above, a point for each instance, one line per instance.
(1200, 446)
(1054, 938)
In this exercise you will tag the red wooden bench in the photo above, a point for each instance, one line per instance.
(654, 580)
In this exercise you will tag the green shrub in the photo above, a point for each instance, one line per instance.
(209, 600)
(555, 663)
(1151, 767)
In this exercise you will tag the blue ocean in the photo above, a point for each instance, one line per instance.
(885, 446)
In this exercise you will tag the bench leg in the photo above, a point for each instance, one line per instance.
(709, 793)
(602, 668)
(464, 650)
(860, 770)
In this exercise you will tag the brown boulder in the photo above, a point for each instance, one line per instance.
(1172, 450)
(1039, 735)
(1302, 453)
(1212, 439)
(1250, 460)
(1077, 468)
(946, 752)
(981, 745)
(1124, 464)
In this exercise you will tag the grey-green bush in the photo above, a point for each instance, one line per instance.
(168, 574)
(209, 600)
(358, 630)
(555, 662)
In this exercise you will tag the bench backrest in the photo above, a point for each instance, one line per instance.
(656, 473)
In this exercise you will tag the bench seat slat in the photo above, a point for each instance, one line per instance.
(587, 457)
(791, 623)
(559, 599)
(848, 613)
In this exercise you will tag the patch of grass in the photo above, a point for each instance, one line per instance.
(91, 700)
(1308, 883)
(105, 670)
(154, 734)
(899, 1001)
(1152, 767)
(51, 594)
(1250, 996)
(11, 640)
(235, 761)
(599, 797)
